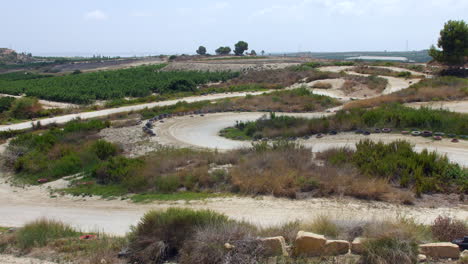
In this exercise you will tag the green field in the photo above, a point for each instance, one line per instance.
(104, 85)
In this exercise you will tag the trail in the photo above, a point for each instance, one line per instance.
(203, 132)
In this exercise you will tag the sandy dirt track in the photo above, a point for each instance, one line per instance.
(19, 206)
(106, 112)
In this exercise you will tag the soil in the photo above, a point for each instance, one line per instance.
(8, 259)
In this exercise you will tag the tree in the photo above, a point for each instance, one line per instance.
(240, 48)
(263, 52)
(223, 50)
(253, 53)
(454, 44)
(201, 50)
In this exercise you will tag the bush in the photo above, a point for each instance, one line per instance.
(446, 229)
(116, 170)
(161, 234)
(104, 149)
(323, 225)
(390, 250)
(41, 232)
(25, 108)
(207, 244)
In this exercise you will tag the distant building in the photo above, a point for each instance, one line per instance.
(379, 58)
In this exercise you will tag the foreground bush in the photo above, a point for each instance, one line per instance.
(446, 229)
(41, 232)
(390, 250)
(161, 234)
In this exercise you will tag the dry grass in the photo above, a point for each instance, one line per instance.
(274, 79)
(297, 100)
(445, 229)
(322, 85)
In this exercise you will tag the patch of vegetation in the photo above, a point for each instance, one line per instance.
(296, 100)
(39, 233)
(433, 89)
(391, 116)
(50, 238)
(424, 172)
(58, 152)
(161, 234)
(134, 82)
(383, 72)
(390, 249)
(21, 75)
(237, 58)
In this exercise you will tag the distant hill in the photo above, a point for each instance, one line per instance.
(9, 56)
(421, 56)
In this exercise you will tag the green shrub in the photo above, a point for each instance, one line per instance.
(104, 150)
(116, 170)
(5, 103)
(41, 232)
(397, 161)
(25, 108)
(161, 234)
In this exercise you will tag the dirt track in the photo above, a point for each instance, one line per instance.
(92, 214)
(202, 132)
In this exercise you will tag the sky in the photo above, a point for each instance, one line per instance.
(144, 27)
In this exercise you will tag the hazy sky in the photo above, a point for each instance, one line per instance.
(180, 26)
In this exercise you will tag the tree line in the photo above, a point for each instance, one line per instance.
(239, 49)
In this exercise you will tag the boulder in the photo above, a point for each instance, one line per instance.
(422, 258)
(309, 244)
(274, 246)
(464, 254)
(336, 247)
(357, 246)
(440, 250)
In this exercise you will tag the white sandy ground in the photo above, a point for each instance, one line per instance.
(8, 259)
(454, 106)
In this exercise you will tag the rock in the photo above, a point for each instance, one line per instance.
(274, 246)
(336, 247)
(309, 244)
(440, 250)
(422, 258)
(464, 254)
(228, 246)
(357, 247)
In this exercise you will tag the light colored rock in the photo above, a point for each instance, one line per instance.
(357, 247)
(274, 246)
(464, 254)
(422, 258)
(440, 250)
(309, 244)
(336, 247)
(228, 246)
